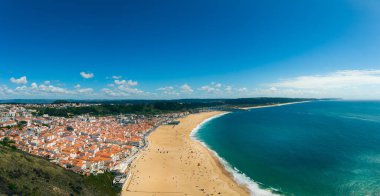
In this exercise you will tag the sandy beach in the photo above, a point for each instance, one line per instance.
(174, 164)
(272, 105)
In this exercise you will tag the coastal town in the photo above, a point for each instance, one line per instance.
(84, 144)
(130, 148)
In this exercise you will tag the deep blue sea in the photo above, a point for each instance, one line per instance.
(315, 148)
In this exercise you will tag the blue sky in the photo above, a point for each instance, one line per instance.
(187, 49)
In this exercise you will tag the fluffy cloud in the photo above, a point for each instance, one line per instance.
(132, 83)
(53, 89)
(86, 75)
(21, 88)
(228, 89)
(123, 92)
(209, 89)
(85, 90)
(185, 88)
(358, 84)
(168, 90)
(130, 90)
(21, 80)
(110, 92)
(4, 90)
(125, 82)
(213, 88)
(35, 90)
(242, 90)
(122, 88)
(217, 85)
(336, 80)
(120, 82)
(274, 89)
(34, 85)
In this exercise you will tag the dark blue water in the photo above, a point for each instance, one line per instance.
(316, 148)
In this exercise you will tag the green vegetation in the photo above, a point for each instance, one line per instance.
(60, 101)
(24, 174)
(108, 109)
(157, 107)
(7, 142)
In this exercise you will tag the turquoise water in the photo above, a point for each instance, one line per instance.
(316, 148)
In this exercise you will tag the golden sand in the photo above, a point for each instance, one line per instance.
(271, 105)
(174, 164)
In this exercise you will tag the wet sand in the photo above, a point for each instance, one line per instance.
(174, 164)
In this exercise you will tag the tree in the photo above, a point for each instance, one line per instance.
(69, 128)
(6, 141)
(22, 123)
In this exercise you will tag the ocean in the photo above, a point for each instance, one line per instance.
(314, 148)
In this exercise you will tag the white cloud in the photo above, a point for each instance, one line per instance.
(273, 89)
(209, 89)
(129, 90)
(21, 88)
(339, 79)
(120, 82)
(217, 85)
(110, 92)
(125, 82)
(132, 90)
(21, 80)
(356, 84)
(228, 89)
(213, 88)
(43, 90)
(86, 75)
(5, 91)
(132, 83)
(38, 90)
(185, 88)
(34, 85)
(85, 90)
(53, 89)
(122, 88)
(123, 91)
(242, 90)
(168, 90)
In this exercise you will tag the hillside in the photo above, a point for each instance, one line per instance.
(24, 174)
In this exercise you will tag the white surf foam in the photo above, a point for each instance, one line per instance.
(237, 175)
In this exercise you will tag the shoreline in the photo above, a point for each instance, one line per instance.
(240, 178)
(237, 182)
(176, 164)
(221, 163)
(272, 105)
